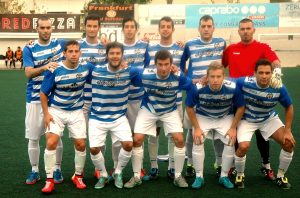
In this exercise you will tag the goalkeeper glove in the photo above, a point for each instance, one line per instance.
(276, 81)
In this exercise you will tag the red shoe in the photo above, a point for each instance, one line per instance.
(268, 173)
(49, 186)
(143, 173)
(97, 174)
(77, 180)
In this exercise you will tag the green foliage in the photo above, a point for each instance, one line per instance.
(13, 7)
(121, 1)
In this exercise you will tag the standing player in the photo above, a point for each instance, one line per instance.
(159, 104)
(240, 58)
(214, 119)
(261, 99)
(62, 102)
(42, 55)
(166, 30)
(110, 87)
(201, 51)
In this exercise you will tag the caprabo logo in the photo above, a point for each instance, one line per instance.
(228, 9)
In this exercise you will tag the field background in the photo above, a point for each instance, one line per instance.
(15, 166)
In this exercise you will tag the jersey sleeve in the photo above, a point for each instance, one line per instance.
(185, 56)
(284, 98)
(147, 58)
(269, 53)
(48, 82)
(27, 57)
(136, 76)
(238, 100)
(240, 82)
(225, 57)
(185, 83)
(192, 97)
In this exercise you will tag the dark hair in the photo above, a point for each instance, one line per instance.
(42, 18)
(163, 55)
(92, 17)
(168, 19)
(69, 43)
(246, 20)
(206, 18)
(130, 19)
(114, 44)
(261, 62)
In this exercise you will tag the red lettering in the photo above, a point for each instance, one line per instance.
(25, 23)
(16, 23)
(6, 23)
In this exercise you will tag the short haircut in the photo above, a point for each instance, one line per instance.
(163, 55)
(42, 18)
(206, 18)
(114, 44)
(92, 17)
(264, 62)
(246, 20)
(215, 65)
(69, 43)
(130, 19)
(168, 19)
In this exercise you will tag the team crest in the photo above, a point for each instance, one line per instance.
(117, 76)
(217, 45)
(176, 52)
(78, 76)
(168, 85)
(269, 95)
(101, 51)
(137, 51)
(53, 51)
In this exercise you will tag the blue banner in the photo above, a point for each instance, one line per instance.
(229, 15)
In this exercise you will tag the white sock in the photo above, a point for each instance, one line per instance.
(34, 154)
(171, 146)
(59, 154)
(285, 159)
(218, 149)
(198, 159)
(153, 150)
(137, 160)
(79, 161)
(99, 163)
(240, 164)
(189, 146)
(115, 150)
(49, 160)
(227, 160)
(179, 157)
(124, 158)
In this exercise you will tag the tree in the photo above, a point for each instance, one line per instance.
(13, 7)
(120, 1)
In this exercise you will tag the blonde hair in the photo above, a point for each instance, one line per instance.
(215, 65)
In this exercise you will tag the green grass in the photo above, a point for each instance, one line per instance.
(15, 164)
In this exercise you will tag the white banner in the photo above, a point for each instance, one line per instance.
(289, 15)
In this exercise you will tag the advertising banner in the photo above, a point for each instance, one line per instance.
(289, 15)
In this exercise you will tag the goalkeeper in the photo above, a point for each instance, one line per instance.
(240, 58)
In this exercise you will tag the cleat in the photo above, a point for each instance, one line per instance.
(190, 171)
(225, 181)
(143, 173)
(171, 173)
(118, 180)
(232, 173)
(218, 170)
(111, 175)
(101, 183)
(283, 183)
(198, 183)
(153, 175)
(240, 181)
(49, 186)
(97, 174)
(57, 176)
(180, 182)
(78, 181)
(32, 178)
(133, 182)
(268, 173)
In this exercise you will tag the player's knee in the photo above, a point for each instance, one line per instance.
(94, 150)
(243, 147)
(137, 140)
(178, 140)
(80, 145)
(288, 146)
(51, 144)
(127, 146)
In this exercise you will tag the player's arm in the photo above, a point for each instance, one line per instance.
(289, 115)
(232, 130)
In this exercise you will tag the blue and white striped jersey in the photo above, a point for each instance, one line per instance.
(37, 55)
(216, 104)
(201, 54)
(160, 94)
(91, 53)
(260, 102)
(176, 52)
(134, 55)
(110, 92)
(65, 86)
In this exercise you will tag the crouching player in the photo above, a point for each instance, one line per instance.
(260, 99)
(61, 99)
(214, 119)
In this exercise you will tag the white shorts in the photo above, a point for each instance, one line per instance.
(120, 131)
(246, 129)
(34, 121)
(74, 120)
(179, 108)
(215, 128)
(187, 124)
(86, 111)
(146, 122)
(132, 112)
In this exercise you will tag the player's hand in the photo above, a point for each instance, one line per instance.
(51, 66)
(146, 38)
(174, 69)
(180, 43)
(198, 136)
(231, 133)
(104, 40)
(288, 136)
(124, 64)
(276, 81)
(47, 119)
(203, 81)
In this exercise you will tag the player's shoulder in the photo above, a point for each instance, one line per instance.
(230, 84)
(142, 43)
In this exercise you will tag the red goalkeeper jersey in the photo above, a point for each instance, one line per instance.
(241, 58)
